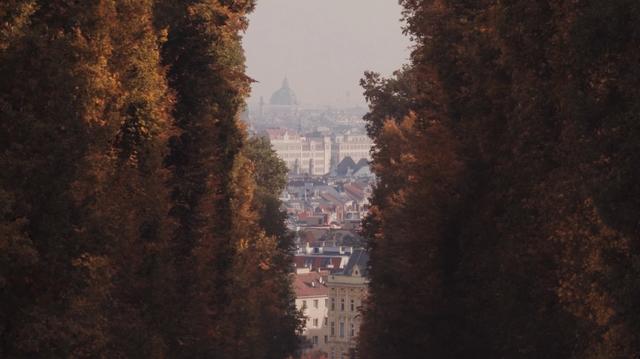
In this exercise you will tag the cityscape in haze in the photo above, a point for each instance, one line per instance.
(307, 60)
(323, 48)
(320, 179)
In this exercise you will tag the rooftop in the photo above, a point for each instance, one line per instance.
(310, 285)
(359, 260)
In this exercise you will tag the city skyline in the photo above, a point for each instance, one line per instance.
(323, 63)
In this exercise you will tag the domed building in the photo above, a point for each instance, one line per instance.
(284, 96)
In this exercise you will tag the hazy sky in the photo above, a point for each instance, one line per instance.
(323, 47)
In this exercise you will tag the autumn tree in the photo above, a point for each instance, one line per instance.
(50, 111)
(206, 72)
(231, 249)
(270, 176)
(518, 245)
(83, 127)
(261, 291)
(128, 220)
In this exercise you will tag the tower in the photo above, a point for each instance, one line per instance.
(261, 107)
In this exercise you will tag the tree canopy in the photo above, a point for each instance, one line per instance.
(505, 223)
(129, 224)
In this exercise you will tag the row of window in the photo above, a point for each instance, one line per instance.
(315, 339)
(352, 330)
(352, 305)
(366, 146)
(301, 156)
(315, 303)
(316, 322)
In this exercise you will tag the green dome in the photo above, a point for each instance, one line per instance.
(284, 96)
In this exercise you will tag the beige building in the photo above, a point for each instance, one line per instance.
(303, 155)
(356, 146)
(346, 294)
(312, 297)
(315, 155)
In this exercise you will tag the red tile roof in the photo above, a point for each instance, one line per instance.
(304, 285)
(354, 191)
(315, 262)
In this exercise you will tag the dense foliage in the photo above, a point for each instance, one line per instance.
(505, 223)
(131, 224)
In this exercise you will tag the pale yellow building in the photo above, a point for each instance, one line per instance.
(312, 298)
(356, 146)
(303, 155)
(346, 294)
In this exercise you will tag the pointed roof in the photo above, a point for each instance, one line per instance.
(357, 265)
(345, 165)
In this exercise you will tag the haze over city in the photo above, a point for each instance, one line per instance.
(323, 47)
(483, 202)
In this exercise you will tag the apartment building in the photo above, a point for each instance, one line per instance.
(312, 297)
(346, 294)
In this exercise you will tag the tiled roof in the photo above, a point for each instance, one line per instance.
(344, 166)
(316, 262)
(332, 199)
(354, 191)
(362, 163)
(360, 257)
(308, 285)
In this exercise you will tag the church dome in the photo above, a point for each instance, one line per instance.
(284, 96)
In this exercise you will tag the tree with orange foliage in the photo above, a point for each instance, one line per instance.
(528, 248)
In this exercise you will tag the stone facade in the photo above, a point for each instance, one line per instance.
(347, 292)
(356, 146)
(317, 154)
(303, 155)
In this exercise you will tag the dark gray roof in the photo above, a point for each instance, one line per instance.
(345, 165)
(348, 164)
(360, 257)
(362, 163)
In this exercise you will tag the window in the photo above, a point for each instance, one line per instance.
(326, 303)
(333, 303)
(342, 304)
(353, 330)
(353, 305)
(315, 303)
(315, 340)
(326, 320)
(333, 329)
(315, 322)
(326, 339)
(341, 329)
(304, 304)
